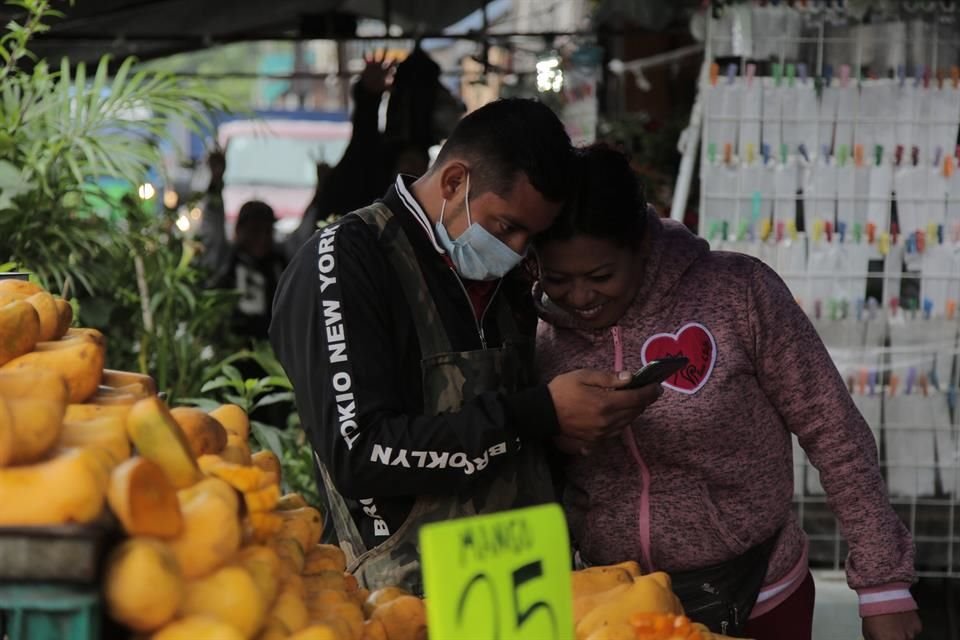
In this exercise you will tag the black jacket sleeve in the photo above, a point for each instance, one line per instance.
(334, 332)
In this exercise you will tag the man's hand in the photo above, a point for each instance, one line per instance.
(591, 405)
(893, 626)
(378, 73)
(572, 446)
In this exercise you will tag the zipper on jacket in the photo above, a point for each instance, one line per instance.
(477, 323)
(643, 517)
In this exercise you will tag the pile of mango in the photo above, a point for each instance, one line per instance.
(213, 550)
(616, 602)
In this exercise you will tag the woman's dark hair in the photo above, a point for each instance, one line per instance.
(607, 200)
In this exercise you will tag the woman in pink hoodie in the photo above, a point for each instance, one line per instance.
(701, 485)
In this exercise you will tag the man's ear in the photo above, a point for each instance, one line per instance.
(453, 177)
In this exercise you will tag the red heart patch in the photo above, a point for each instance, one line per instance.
(693, 341)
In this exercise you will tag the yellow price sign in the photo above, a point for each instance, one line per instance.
(504, 576)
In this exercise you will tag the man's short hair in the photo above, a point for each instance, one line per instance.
(508, 137)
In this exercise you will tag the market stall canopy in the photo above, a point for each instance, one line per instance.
(155, 28)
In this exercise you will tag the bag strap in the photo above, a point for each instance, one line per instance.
(426, 318)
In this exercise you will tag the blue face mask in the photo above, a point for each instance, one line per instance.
(477, 254)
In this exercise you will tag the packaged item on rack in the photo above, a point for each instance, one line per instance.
(799, 110)
(876, 181)
(750, 112)
(952, 177)
(755, 191)
(772, 133)
(846, 186)
(910, 421)
(877, 114)
(909, 183)
(848, 101)
(947, 443)
(925, 111)
(893, 258)
(827, 115)
(905, 128)
(937, 272)
(791, 253)
(723, 108)
(785, 186)
(717, 197)
(945, 118)
(822, 265)
(936, 191)
(820, 190)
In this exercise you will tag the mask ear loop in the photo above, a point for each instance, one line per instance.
(442, 209)
(466, 202)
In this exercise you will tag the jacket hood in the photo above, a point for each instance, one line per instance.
(671, 251)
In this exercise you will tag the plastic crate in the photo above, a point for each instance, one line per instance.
(50, 612)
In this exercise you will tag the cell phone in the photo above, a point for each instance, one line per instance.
(656, 371)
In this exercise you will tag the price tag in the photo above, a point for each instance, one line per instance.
(504, 576)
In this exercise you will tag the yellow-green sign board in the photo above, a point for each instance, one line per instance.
(504, 576)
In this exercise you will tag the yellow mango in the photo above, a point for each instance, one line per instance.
(268, 461)
(19, 329)
(291, 501)
(36, 400)
(381, 597)
(305, 525)
(16, 287)
(582, 605)
(290, 553)
(374, 630)
(107, 431)
(346, 618)
(49, 315)
(234, 420)
(237, 450)
(319, 632)
(230, 595)
(143, 586)
(264, 566)
(89, 411)
(70, 487)
(137, 384)
(80, 363)
(324, 557)
(143, 499)
(64, 317)
(197, 627)
(264, 499)
(621, 631)
(404, 618)
(585, 583)
(159, 439)
(210, 535)
(202, 431)
(647, 594)
(290, 610)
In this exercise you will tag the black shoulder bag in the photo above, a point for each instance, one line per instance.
(723, 595)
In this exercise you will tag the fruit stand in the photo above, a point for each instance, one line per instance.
(124, 517)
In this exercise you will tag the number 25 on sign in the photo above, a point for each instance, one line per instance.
(504, 576)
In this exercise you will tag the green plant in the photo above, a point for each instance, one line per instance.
(227, 384)
(65, 134)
